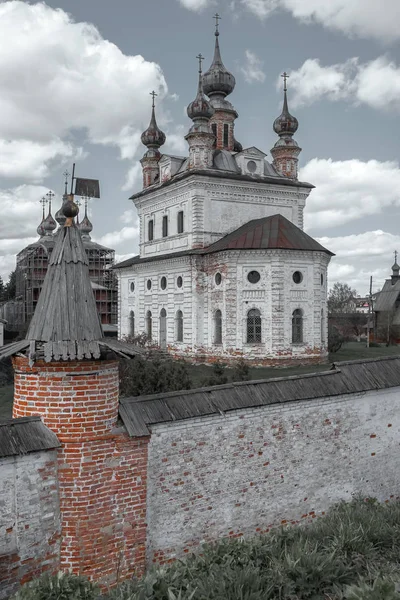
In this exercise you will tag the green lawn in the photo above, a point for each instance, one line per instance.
(349, 351)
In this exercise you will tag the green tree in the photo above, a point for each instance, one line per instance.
(153, 375)
(340, 298)
(1, 289)
(11, 286)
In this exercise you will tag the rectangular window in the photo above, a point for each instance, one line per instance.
(180, 221)
(226, 135)
(214, 130)
(150, 230)
(165, 226)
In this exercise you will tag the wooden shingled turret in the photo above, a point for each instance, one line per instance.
(66, 373)
(66, 325)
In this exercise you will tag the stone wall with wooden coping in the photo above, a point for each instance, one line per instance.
(102, 473)
(29, 518)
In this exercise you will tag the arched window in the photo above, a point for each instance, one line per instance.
(163, 328)
(218, 327)
(179, 326)
(165, 226)
(149, 325)
(254, 326)
(322, 327)
(214, 130)
(132, 323)
(297, 326)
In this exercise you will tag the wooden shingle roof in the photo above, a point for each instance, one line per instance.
(140, 413)
(27, 434)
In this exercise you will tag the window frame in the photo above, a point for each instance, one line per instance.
(180, 222)
(179, 326)
(150, 230)
(253, 326)
(225, 136)
(165, 226)
(297, 327)
(132, 323)
(149, 325)
(218, 327)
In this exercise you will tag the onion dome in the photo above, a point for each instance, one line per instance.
(85, 226)
(59, 216)
(285, 124)
(200, 108)
(218, 80)
(395, 267)
(40, 230)
(153, 137)
(49, 224)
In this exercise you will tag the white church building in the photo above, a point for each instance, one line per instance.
(225, 269)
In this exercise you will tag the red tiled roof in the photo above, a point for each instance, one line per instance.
(275, 232)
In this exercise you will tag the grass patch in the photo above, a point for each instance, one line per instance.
(350, 554)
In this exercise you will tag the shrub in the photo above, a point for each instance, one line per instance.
(153, 375)
(218, 376)
(241, 371)
(63, 586)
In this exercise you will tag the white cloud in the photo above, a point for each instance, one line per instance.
(116, 238)
(25, 159)
(348, 190)
(360, 256)
(196, 5)
(69, 79)
(362, 18)
(376, 83)
(313, 81)
(21, 212)
(252, 68)
(133, 178)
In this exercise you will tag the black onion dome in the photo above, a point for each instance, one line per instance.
(49, 224)
(237, 146)
(218, 80)
(153, 137)
(286, 123)
(200, 108)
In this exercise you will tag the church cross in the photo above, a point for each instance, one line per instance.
(217, 18)
(43, 202)
(200, 59)
(66, 175)
(154, 96)
(50, 195)
(285, 78)
(395, 256)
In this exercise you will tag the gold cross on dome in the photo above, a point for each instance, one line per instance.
(153, 94)
(285, 78)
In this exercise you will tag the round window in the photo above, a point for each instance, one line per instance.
(297, 277)
(132, 286)
(322, 279)
(163, 283)
(179, 282)
(149, 284)
(254, 276)
(218, 278)
(251, 166)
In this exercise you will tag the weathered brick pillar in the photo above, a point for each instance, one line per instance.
(102, 472)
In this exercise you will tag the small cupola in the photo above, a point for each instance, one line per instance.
(153, 138)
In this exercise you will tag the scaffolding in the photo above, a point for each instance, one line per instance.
(31, 270)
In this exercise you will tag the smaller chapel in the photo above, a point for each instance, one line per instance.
(225, 269)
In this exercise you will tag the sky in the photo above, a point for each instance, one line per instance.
(75, 78)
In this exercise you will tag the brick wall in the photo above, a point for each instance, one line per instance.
(102, 472)
(248, 470)
(29, 518)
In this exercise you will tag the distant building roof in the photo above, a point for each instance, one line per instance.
(387, 297)
(275, 232)
(268, 233)
(27, 434)
(140, 413)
